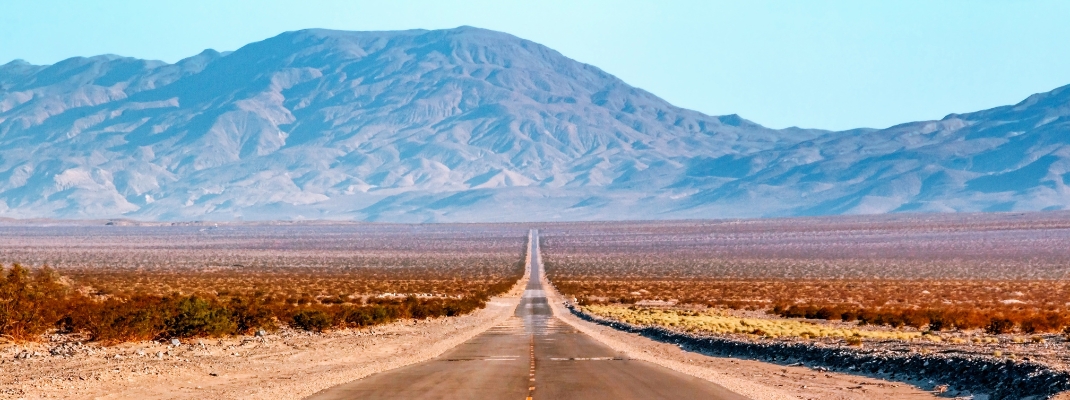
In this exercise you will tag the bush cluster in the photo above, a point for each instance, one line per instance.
(144, 317)
(936, 319)
(383, 311)
(995, 306)
(30, 303)
(33, 303)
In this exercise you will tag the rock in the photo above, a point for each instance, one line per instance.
(176, 342)
(261, 333)
(63, 350)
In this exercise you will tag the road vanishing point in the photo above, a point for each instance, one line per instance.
(533, 355)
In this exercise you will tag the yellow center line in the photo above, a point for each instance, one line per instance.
(531, 372)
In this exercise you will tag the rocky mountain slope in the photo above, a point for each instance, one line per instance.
(470, 125)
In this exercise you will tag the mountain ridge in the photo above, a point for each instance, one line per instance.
(468, 124)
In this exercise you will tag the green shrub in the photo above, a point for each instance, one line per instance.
(365, 316)
(194, 316)
(312, 320)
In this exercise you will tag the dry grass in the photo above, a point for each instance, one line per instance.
(713, 321)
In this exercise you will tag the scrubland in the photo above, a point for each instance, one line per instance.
(127, 283)
(992, 283)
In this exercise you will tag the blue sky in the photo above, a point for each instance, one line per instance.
(816, 64)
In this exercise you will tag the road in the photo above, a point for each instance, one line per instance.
(533, 355)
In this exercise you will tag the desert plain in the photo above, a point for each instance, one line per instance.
(284, 310)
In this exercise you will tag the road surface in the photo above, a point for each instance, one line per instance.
(533, 355)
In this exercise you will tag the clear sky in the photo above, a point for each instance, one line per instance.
(815, 64)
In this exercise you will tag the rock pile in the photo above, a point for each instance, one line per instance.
(65, 350)
(997, 378)
(26, 354)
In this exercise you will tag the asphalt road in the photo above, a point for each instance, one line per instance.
(531, 356)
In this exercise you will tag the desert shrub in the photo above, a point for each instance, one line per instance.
(455, 308)
(867, 302)
(426, 309)
(194, 316)
(917, 319)
(312, 320)
(963, 319)
(939, 321)
(119, 319)
(1043, 322)
(250, 313)
(30, 303)
(935, 319)
(999, 325)
(333, 300)
(364, 316)
(144, 317)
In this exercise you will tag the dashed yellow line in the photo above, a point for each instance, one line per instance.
(531, 372)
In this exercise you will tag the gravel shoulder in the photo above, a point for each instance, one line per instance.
(287, 364)
(750, 378)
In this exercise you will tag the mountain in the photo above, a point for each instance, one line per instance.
(468, 124)
(1011, 158)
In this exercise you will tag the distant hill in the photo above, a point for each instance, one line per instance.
(473, 125)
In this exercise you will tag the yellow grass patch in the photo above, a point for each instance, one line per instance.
(715, 322)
